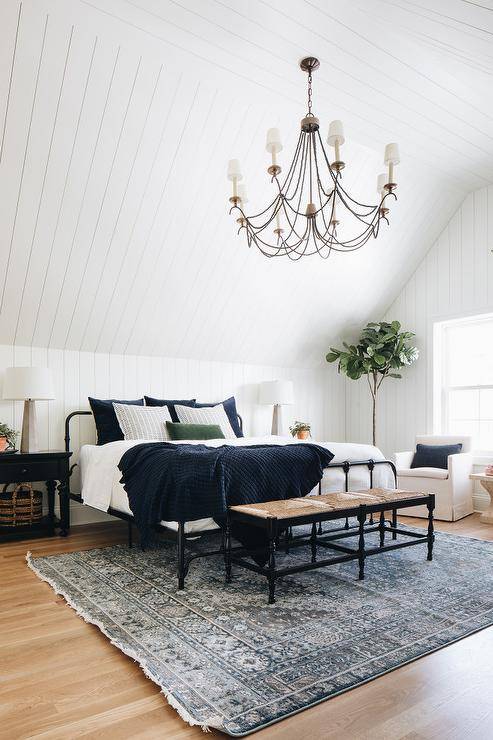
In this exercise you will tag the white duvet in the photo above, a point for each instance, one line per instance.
(101, 487)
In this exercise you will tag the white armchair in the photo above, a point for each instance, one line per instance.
(452, 487)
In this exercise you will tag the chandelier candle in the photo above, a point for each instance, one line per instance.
(305, 199)
(234, 174)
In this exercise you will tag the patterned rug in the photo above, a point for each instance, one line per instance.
(225, 659)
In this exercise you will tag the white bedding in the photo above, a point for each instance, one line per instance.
(101, 487)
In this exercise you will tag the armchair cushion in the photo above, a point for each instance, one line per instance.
(434, 456)
(437, 473)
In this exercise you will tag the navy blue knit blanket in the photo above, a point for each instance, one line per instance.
(184, 482)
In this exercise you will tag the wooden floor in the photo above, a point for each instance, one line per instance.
(61, 678)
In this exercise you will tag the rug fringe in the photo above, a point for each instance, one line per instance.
(182, 711)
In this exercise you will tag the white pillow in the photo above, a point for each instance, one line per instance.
(208, 415)
(143, 422)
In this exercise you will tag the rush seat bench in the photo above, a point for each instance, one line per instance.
(275, 517)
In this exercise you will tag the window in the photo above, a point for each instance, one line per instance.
(466, 375)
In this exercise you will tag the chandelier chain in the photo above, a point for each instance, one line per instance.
(310, 94)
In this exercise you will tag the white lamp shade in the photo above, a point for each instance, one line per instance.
(391, 154)
(21, 383)
(276, 391)
(336, 133)
(273, 143)
(242, 194)
(234, 170)
(381, 182)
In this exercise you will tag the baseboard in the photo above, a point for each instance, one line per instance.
(80, 514)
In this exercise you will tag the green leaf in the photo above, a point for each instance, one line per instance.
(394, 375)
(331, 356)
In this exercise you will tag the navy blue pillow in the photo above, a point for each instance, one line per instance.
(107, 426)
(231, 412)
(434, 456)
(170, 404)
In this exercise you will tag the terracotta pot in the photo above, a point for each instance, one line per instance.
(3, 444)
(303, 435)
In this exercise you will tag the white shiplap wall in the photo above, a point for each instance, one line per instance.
(319, 393)
(454, 279)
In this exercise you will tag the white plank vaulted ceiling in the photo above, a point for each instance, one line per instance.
(117, 120)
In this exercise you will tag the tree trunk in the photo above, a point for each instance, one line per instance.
(374, 404)
(374, 409)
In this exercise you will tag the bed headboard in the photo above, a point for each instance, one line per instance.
(89, 413)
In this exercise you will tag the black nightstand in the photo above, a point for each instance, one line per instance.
(26, 467)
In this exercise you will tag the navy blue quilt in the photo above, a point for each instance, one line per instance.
(184, 482)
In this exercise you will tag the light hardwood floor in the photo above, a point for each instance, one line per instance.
(61, 678)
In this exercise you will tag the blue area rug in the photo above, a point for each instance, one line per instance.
(225, 659)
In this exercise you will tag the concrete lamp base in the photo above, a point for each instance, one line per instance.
(29, 439)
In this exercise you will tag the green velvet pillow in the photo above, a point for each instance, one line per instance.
(193, 431)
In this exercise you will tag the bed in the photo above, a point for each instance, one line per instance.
(354, 466)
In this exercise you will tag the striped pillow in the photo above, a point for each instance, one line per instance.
(209, 415)
(147, 423)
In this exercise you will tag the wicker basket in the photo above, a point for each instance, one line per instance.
(21, 507)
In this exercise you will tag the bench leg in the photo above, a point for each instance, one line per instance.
(394, 523)
(272, 565)
(381, 527)
(431, 538)
(313, 542)
(361, 542)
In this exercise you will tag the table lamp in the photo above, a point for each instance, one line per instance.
(277, 393)
(28, 384)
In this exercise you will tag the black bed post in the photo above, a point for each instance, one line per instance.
(227, 547)
(431, 538)
(371, 465)
(180, 555)
(345, 468)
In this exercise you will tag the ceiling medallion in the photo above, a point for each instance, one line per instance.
(311, 202)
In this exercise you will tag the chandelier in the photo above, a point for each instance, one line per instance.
(311, 207)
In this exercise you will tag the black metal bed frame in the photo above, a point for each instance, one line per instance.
(180, 536)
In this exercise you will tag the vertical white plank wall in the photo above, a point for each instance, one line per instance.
(454, 279)
(319, 393)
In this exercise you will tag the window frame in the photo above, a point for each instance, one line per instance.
(441, 386)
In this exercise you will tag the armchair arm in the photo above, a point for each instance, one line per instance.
(403, 460)
(460, 467)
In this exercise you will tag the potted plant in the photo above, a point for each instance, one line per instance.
(300, 429)
(7, 437)
(381, 349)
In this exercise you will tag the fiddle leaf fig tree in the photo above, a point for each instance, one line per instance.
(381, 350)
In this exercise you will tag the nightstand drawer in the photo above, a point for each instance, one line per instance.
(19, 472)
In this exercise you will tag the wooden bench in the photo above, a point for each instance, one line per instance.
(276, 517)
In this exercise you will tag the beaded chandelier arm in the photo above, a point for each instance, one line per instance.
(311, 200)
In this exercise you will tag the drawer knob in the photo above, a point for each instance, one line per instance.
(23, 471)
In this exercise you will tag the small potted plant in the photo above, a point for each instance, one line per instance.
(7, 437)
(300, 429)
